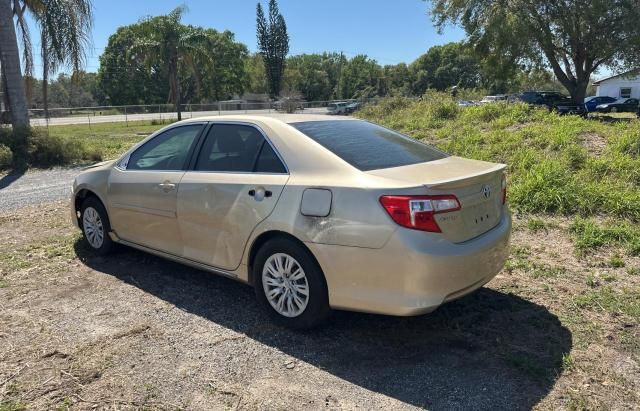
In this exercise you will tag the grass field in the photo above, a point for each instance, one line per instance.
(102, 141)
(71, 145)
(574, 185)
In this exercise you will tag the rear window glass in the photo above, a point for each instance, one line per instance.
(367, 146)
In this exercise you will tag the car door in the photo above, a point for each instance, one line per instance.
(232, 185)
(143, 189)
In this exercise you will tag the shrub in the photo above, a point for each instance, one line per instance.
(6, 157)
(47, 151)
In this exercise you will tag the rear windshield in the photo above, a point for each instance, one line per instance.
(367, 146)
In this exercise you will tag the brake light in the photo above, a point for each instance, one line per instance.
(418, 212)
(504, 189)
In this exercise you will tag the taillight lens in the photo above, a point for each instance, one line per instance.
(418, 212)
(504, 189)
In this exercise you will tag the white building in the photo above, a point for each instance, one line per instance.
(625, 85)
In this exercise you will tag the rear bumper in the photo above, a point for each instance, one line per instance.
(414, 273)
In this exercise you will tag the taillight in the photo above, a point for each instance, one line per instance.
(504, 189)
(418, 212)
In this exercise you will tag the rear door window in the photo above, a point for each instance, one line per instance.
(237, 148)
(368, 146)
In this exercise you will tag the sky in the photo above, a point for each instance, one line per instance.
(390, 31)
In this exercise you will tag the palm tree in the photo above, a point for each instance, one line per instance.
(10, 66)
(65, 31)
(64, 34)
(165, 41)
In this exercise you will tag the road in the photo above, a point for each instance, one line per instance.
(92, 119)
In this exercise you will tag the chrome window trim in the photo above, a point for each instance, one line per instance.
(264, 135)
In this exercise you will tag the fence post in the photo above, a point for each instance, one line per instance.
(89, 119)
(126, 119)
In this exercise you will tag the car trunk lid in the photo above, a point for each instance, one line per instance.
(476, 184)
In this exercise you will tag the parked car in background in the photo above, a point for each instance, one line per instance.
(315, 213)
(592, 102)
(466, 103)
(353, 107)
(554, 101)
(493, 99)
(339, 107)
(622, 105)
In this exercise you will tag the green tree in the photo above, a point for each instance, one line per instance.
(308, 74)
(273, 44)
(398, 79)
(442, 67)
(165, 41)
(77, 90)
(360, 77)
(130, 81)
(223, 71)
(256, 75)
(572, 37)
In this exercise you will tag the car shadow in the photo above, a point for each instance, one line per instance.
(487, 349)
(11, 178)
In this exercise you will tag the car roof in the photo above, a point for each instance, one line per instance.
(302, 155)
(266, 118)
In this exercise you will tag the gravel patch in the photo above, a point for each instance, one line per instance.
(35, 187)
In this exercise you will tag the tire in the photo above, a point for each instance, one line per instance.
(95, 226)
(297, 311)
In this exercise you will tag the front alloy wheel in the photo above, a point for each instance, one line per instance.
(95, 226)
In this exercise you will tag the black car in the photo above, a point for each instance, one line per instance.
(629, 105)
(554, 101)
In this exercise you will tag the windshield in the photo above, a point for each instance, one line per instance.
(368, 146)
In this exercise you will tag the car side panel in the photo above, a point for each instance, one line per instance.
(142, 211)
(217, 214)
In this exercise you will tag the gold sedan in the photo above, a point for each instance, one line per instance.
(316, 213)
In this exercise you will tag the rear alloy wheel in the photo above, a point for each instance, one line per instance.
(290, 285)
(285, 285)
(95, 226)
(614, 109)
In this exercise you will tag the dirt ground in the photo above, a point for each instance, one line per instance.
(132, 331)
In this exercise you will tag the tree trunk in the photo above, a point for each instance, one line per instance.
(178, 98)
(10, 58)
(45, 84)
(175, 85)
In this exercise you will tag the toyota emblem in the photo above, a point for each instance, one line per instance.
(486, 191)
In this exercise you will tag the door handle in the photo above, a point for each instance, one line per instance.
(167, 186)
(259, 193)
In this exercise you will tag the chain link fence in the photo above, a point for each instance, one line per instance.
(167, 112)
